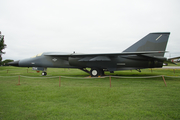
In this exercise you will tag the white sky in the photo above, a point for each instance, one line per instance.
(86, 26)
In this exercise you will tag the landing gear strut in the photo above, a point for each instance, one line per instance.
(138, 70)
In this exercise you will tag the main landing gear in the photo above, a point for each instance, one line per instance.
(96, 72)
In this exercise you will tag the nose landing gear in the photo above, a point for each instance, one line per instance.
(44, 73)
(43, 69)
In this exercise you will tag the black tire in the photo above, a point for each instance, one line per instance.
(44, 73)
(101, 72)
(96, 72)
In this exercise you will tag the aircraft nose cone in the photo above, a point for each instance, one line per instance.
(15, 63)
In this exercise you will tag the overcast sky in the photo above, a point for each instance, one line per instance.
(85, 26)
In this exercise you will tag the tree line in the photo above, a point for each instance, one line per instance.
(2, 47)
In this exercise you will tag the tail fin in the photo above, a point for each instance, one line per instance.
(151, 42)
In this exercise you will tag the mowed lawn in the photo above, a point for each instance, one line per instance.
(80, 97)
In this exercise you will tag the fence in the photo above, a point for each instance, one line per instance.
(110, 77)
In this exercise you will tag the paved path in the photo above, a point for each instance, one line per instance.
(171, 67)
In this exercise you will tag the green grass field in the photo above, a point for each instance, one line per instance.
(81, 97)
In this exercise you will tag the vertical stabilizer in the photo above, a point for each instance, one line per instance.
(151, 42)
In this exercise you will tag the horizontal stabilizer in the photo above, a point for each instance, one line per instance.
(174, 58)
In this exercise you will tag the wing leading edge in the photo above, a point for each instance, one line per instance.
(104, 56)
(101, 54)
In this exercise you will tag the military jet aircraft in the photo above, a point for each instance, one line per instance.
(148, 52)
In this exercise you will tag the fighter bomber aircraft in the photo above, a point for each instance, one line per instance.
(148, 52)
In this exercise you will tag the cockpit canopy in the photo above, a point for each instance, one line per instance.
(37, 55)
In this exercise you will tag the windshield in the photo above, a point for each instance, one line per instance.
(37, 55)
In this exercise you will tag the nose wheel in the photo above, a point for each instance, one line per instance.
(44, 73)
